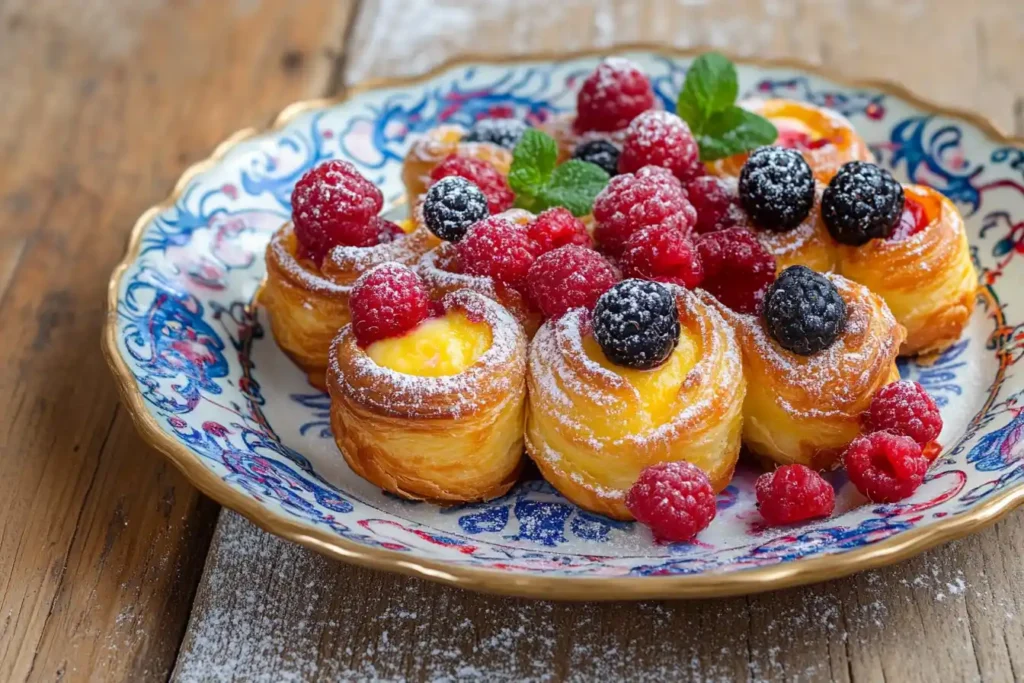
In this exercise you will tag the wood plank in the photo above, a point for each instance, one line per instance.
(268, 610)
(104, 105)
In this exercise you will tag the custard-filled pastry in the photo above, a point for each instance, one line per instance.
(825, 138)
(563, 129)
(436, 413)
(442, 274)
(594, 425)
(435, 146)
(923, 270)
(307, 304)
(806, 408)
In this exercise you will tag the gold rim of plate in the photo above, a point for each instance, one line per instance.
(717, 583)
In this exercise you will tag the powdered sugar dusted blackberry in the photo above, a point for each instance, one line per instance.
(776, 188)
(836, 380)
(496, 377)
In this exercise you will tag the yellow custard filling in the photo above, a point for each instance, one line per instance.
(437, 347)
(657, 388)
(407, 225)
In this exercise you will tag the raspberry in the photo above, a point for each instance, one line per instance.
(482, 174)
(912, 220)
(674, 499)
(332, 204)
(386, 231)
(497, 248)
(793, 493)
(600, 153)
(715, 201)
(777, 188)
(451, 205)
(636, 323)
(612, 96)
(804, 312)
(885, 467)
(659, 138)
(633, 201)
(737, 270)
(569, 277)
(387, 301)
(502, 132)
(557, 227)
(664, 254)
(863, 201)
(905, 408)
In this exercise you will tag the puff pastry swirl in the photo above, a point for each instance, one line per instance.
(806, 409)
(435, 146)
(308, 305)
(927, 279)
(833, 139)
(591, 430)
(454, 438)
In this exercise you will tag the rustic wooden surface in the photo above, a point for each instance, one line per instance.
(102, 105)
(101, 544)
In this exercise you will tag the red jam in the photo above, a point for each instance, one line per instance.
(913, 220)
(799, 140)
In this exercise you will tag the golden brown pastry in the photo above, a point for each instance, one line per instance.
(307, 305)
(435, 146)
(593, 426)
(926, 278)
(806, 409)
(436, 414)
(825, 138)
(440, 271)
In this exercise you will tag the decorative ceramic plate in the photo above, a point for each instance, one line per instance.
(207, 385)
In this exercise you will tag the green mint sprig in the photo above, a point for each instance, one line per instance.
(707, 103)
(541, 183)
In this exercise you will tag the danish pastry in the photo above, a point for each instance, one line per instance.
(307, 304)
(594, 425)
(436, 413)
(806, 408)
(825, 138)
(923, 270)
(435, 146)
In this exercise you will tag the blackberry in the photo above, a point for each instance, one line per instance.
(452, 205)
(862, 202)
(636, 322)
(502, 132)
(777, 188)
(803, 311)
(601, 153)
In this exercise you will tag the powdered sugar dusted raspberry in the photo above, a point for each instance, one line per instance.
(737, 269)
(904, 407)
(557, 227)
(333, 204)
(674, 499)
(612, 96)
(660, 138)
(567, 278)
(482, 174)
(664, 254)
(885, 467)
(631, 202)
(793, 493)
(386, 301)
(497, 248)
(488, 384)
(716, 201)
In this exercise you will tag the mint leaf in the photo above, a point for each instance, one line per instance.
(573, 185)
(733, 131)
(533, 160)
(711, 86)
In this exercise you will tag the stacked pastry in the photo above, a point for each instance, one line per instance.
(759, 300)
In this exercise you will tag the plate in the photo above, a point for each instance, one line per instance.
(207, 386)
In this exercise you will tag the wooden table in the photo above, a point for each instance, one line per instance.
(102, 545)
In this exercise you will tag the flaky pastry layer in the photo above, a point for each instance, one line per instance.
(927, 279)
(455, 438)
(825, 161)
(572, 400)
(308, 305)
(806, 409)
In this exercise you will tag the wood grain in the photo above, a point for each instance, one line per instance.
(268, 610)
(105, 103)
